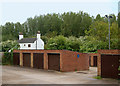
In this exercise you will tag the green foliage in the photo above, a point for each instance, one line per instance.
(74, 24)
(119, 68)
(70, 31)
(119, 20)
(73, 43)
(99, 32)
(98, 77)
(8, 47)
(45, 39)
(82, 44)
(58, 42)
(90, 44)
(99, 18)
(50, 25)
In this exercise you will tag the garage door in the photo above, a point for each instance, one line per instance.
(95, 61)
(89, 60)
(26, 59)
(16, 58)
(109, 66)
(54, 62)
(38, 60)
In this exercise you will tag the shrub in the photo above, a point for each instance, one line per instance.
(58, 42)
(7, 48)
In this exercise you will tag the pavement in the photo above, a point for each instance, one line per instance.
(22, 75)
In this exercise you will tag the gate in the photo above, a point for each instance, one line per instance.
(38, 60)
(54, 61)
(109, 66)
(16, 59)
(26, 59)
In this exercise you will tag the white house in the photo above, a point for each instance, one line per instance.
(31, 43)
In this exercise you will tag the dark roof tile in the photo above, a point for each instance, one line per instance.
(27, 40)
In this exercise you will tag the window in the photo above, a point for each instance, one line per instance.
(24, 44)
(29, 45)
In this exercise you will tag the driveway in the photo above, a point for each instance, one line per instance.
(21, 75)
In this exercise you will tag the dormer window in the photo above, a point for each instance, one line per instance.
(29, 45)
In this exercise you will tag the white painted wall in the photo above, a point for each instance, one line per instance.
(33, 45)
(39, 45)
(38, 36)
(20, 37)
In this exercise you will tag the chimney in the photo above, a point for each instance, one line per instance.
(20, 35)
(38, 35)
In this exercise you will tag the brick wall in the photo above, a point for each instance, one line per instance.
(68, 59)
(109, 51)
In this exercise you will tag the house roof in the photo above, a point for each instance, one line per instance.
(27, 40)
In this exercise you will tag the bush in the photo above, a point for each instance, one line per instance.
(7, 48)
(7, 59)
(73, 43)
(58, 42)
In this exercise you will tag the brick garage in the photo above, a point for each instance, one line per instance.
(60, 60)
(93, 59)
(108, 63)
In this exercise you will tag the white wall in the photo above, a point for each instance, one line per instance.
(40, 45)
(20, 37)
(33, 45)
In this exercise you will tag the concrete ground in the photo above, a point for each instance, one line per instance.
(20, 75)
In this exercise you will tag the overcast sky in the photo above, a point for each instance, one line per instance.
(20, 10)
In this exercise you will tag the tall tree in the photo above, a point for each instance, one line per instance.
(119, 20)
(119, 30)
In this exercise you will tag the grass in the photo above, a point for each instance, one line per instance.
(98, 77)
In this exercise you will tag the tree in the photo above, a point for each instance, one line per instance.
(74, 24)
(99, 31)
(119, 20)
(119, 30)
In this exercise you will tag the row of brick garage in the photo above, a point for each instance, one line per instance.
(38, 60)
(60, 60)
(107, 61)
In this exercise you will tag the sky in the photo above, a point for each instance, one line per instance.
(19, 10)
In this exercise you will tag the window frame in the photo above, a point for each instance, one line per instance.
(29, 45)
